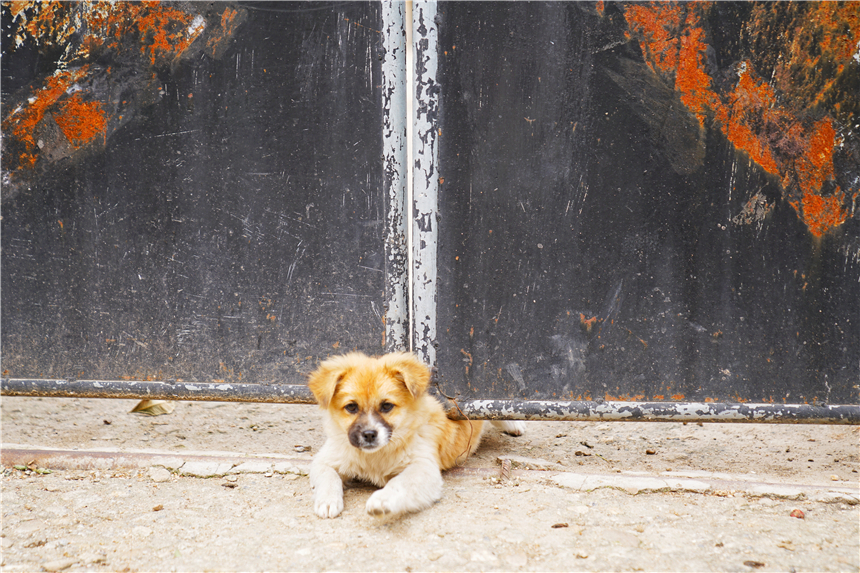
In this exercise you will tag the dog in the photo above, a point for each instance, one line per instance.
(384, 428)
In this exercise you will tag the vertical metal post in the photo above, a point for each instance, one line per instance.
(425, 180)
(395, 175)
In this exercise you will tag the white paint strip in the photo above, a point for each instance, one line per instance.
(394, 144)
(425, 179)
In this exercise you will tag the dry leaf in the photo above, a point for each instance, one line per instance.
(154, 407)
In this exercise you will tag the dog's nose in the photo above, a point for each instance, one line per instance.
(369, 436)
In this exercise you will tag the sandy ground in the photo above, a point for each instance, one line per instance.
(141, 517)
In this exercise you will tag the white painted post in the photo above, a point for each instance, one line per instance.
(425, 180)
(394, 122)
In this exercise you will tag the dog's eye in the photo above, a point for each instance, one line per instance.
(386, 407)
(352, 407)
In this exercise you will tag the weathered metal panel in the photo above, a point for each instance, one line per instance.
(195, 190)
(649, 202)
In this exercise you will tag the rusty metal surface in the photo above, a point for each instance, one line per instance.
(649, 201)
(196, 190)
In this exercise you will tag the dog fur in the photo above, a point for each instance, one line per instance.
(383, 428)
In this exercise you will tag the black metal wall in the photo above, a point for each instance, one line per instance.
(605, 230)
(227, 222)
(637, 202)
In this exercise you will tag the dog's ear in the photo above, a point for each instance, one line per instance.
(406, 368)
(324, 380)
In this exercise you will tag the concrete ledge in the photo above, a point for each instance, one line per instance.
(208, 465)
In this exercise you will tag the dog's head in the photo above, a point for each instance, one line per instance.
(369, 398)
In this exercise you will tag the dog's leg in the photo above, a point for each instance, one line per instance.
(414, 489)
(328, 488)
(514, 428)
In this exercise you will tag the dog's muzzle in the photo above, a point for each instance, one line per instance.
(369, 432)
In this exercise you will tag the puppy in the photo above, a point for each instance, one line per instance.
(384, 428)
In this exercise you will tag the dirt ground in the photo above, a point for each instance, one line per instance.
(583, 499)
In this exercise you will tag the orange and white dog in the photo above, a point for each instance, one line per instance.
(384, 428)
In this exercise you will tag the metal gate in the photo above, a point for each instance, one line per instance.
(200, 192)
(639, 206)
(621, 211)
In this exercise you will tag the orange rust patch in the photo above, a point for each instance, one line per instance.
(691, 79)
(587, 322)
(228, 24)
(145, 33)
(599, 6)
(811, 56)
(751, 103)
(656, 24)
(623, 397)
(823, 213)
(677, 396)
(80, 121)
(21, 124)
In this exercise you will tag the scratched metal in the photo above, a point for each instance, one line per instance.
(234, 227)
(648, 201)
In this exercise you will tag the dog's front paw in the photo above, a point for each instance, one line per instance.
(382, 503)
(328, 508)
(514, 428)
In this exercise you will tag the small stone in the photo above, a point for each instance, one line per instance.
(232, 478)
(58, 564)
(580, 554)
(650, 452)
(797, 513)
(834, 478)
(158, 507)
(159, 475)
(559, 525)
